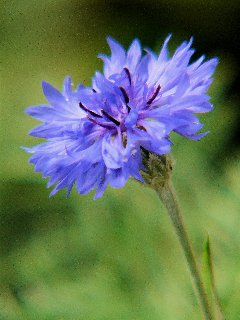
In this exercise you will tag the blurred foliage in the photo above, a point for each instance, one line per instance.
(117, 257)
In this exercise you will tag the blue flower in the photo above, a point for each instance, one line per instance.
(95, 135)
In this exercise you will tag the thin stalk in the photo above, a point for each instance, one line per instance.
(167, 194)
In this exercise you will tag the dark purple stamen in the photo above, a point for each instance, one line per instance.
(141, 128)
(106, 126)
(89, 111)
(94, 90)
(110, 117)
(128, 75)
(154, 95)
(126, 98)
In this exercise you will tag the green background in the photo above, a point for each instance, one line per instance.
(117, 257)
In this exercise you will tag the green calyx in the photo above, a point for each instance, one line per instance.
(158, 169)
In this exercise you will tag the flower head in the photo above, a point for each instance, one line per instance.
(95, 135)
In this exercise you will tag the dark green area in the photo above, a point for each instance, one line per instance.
(117, 257)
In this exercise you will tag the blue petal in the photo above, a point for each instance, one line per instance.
(134, 55)
(102, 184)
(163, 55)
(112, 152)
(89, 180)
(131, 119)
(45, 113)
(117, 60)
(117, 50)
(53, 129)
(117, 177)
(159, 147)
(67, 87)
(184, 84)
(55, 98)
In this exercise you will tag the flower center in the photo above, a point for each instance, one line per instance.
(128, 116)
(92, 115)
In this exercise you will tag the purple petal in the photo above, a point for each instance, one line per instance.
(163, 55)
(67, 87)
(134, 55)
(54, 97)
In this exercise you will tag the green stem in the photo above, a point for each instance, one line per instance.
(168, 197)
